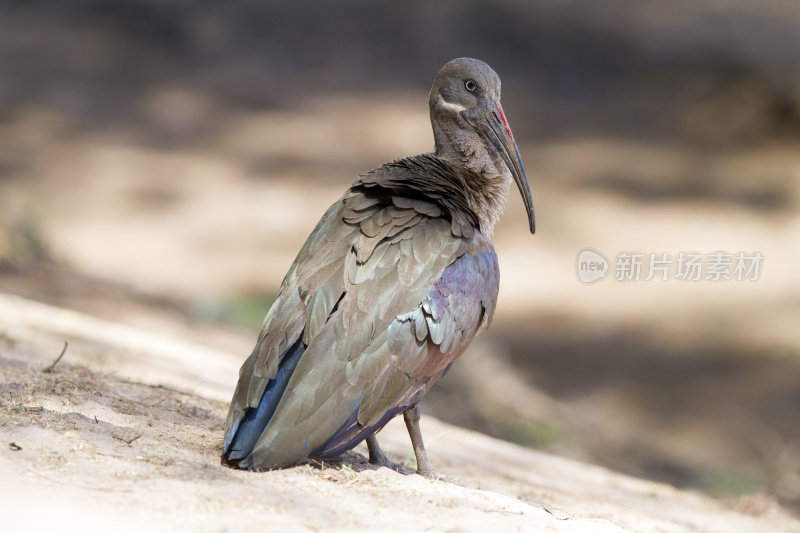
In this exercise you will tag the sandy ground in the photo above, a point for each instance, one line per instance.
(115, 438)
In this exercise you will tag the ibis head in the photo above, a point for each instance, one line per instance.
(470, 128)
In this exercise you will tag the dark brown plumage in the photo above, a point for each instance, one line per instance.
(389, 289)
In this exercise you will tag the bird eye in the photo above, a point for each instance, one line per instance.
(470, 86)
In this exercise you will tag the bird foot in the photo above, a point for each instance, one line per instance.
(430, 474)
(384, 461)
(378, 458)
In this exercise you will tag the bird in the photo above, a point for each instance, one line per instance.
(390, 288)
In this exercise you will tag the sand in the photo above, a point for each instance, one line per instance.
(124, 434)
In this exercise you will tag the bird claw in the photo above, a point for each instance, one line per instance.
(428, 474)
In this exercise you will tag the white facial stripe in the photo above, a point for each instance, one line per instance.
(454, 108)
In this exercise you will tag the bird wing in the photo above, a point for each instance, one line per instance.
(372, 257)
(304, 296)
(404, 360)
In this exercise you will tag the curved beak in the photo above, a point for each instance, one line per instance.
(499, 134)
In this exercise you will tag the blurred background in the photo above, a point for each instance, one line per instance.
(161, 164)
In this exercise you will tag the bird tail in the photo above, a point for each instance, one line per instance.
(245, 432)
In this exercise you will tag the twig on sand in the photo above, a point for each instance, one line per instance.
(167, 395)
(63, 351)
(126, 441)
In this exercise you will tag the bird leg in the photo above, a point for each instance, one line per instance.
(378, 458)
(411, 416)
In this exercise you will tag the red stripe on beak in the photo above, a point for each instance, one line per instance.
(504, 120)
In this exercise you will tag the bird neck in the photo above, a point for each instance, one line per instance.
(467, 150)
